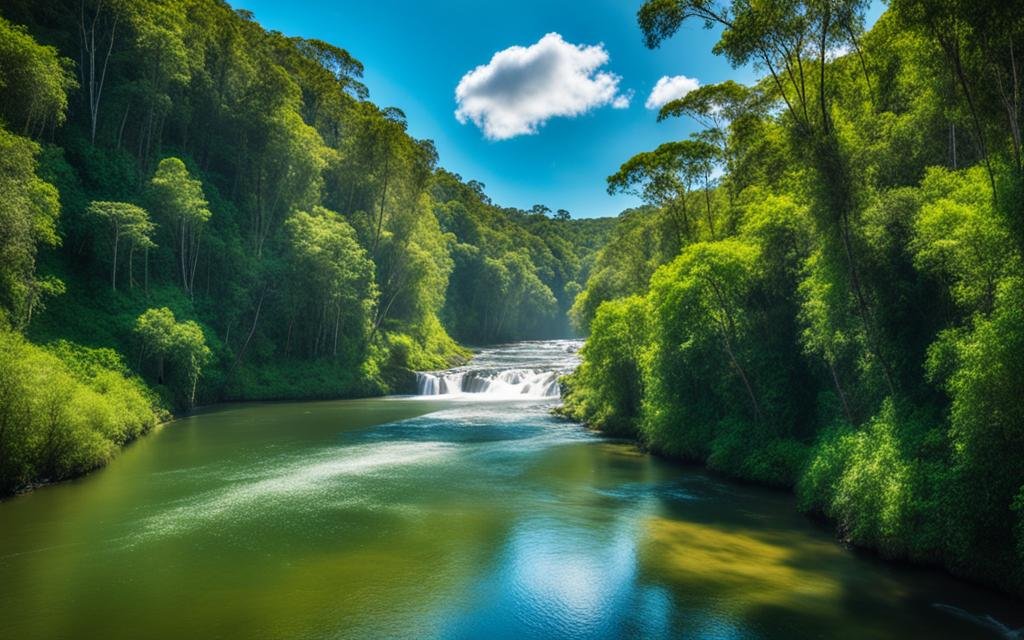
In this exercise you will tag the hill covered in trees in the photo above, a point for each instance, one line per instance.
(197, 209)
(827, 291)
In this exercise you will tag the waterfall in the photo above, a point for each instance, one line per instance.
(526, 383)
(518, 370)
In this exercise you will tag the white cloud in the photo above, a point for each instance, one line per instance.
(521, 88)
(622, 101)
(670, 88)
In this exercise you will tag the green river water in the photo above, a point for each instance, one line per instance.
(453, 516)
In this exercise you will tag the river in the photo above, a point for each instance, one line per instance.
(468, 513)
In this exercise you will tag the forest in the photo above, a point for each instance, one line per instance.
(826, 291)
(823, 291)
(196, 209)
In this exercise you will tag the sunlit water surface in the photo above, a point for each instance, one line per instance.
(467, 515)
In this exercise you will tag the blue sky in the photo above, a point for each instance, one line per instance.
(416, 53)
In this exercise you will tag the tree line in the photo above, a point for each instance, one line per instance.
(825, 290)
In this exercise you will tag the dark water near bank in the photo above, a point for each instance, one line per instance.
(463, 516)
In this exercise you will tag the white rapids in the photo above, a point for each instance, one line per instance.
(520, 370)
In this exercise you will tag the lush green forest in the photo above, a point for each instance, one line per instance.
(823, 291)
(827, 292)
(196, 209)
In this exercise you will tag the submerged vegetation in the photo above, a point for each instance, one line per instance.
(197, 209)
(841, 308)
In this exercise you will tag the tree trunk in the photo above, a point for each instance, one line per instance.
(113, 272)
(380, 216)
(839, 390)
(252, 330)
(88, 50)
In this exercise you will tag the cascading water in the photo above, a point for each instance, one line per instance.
(519, 370)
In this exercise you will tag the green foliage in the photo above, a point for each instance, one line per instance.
(515, 274)
(239, 219)
(639, 243)
(961, 240)
(853, 323)
(986, 383)
(883, 484)
(28, 212)
(34, 82)
(178, 200)
(333, 280)
(65, 410)
(163, 339)
(126, 221)
(606, 390)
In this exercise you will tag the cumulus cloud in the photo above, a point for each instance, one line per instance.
(669, 88)
(521, 88)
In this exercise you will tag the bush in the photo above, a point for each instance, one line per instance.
(606, 390)
(64, 410)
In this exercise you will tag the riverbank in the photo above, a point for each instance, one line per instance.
(71, 410)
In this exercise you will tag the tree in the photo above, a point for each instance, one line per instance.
(179, 199)
(336, 274)
(978, 41)
(97, 30)
(29, 207)
(124, 220)
(665, 177)
(716, 107)
(34, 84)
(793, 40)
(162, 337)
(154, 329)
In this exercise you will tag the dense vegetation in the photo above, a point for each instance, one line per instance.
(196, 209)
(824, 290)
(838, 304)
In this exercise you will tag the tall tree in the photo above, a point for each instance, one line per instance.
(125, 220)
(97, 28)
(34, 83)
(29, 207)
(179, 199)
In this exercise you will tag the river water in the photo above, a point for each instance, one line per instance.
(468, 513)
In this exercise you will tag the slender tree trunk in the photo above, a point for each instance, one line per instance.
(707, 202)
(183, 258)
(95, 85)
(252, 330)
(728, 330)
(120, 130)
(862, 305)
(113, 272)
(337, 324)
(195, 259)
(839, 390)
(952, 143)
(383, 195)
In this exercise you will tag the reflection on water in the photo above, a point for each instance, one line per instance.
(443, 518)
